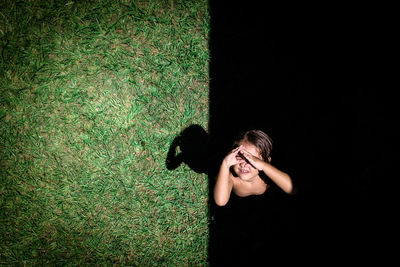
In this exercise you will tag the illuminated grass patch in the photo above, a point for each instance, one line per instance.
(91, 97)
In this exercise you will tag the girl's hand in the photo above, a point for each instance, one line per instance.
(233, 157)
(254, 161)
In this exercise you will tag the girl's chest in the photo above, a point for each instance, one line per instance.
(243, 189)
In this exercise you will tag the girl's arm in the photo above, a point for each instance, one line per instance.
(279, 177)
(224, 183)
(223, 186)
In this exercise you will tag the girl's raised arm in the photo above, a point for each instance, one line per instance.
(224, 183)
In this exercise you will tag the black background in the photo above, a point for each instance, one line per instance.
(314, 78)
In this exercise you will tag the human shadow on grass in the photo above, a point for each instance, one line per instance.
(191, 148)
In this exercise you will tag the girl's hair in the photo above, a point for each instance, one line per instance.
(259, 139)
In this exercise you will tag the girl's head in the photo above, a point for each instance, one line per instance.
(257, 143)
(260, 140)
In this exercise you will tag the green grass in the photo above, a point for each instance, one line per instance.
(92, 93)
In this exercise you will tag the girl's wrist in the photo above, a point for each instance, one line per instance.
(264, 166)
(225, 164)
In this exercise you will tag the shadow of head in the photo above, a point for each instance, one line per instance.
(189, 147)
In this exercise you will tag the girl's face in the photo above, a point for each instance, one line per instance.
(244, 170)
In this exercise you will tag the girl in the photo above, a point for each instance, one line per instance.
(246, 168)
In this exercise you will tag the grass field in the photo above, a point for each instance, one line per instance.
(92, 93)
